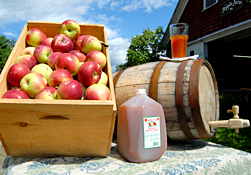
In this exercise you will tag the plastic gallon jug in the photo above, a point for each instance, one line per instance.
(141, 130)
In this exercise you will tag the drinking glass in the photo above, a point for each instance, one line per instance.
(179, 36)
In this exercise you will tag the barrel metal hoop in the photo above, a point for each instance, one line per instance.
(115, 79)
(194, 98)
(180, 102)
(153, 89)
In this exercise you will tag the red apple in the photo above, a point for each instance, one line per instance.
(16, 73)
(28, 60)
(89, 73)
(79, 55)
(16, 94)
(90, 43)
(69, 62)
(70, 89)
(32, 83)
(48, 93)
(47, 41)
(62, 43)
(59, 76)
(78, 42)
(97, 92)
(42, 52)
(28, 51)
(34, 37)
(97, 57)
(70, 28)
(52, 59)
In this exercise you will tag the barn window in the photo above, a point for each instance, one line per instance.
(209, 3)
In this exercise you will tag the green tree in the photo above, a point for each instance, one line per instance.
(6, 46)
(146, 47)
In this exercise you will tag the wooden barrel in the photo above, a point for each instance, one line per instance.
(187, 91)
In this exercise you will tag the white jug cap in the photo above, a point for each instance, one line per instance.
(141, 91)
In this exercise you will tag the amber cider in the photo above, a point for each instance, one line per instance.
(179, 46)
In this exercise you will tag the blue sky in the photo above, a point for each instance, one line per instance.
(123, 19)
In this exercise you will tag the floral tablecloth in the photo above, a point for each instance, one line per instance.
(187, 157)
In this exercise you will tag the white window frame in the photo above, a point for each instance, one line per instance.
(204, 4)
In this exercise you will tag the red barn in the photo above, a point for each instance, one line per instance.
(219, 31)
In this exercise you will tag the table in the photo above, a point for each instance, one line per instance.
(186, 157)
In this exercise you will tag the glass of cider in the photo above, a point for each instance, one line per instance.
(179, 37)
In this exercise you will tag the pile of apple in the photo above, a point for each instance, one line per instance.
(68, 66)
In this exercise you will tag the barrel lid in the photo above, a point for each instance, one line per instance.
(204, 97)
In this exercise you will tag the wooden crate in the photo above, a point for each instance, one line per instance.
(44, 128)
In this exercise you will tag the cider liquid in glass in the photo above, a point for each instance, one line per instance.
(179, 45)
(134, 118)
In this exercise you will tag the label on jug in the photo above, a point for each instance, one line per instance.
(152, 136)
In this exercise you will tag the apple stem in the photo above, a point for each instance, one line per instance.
(104, 44)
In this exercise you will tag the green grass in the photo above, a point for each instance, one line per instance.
(227, 136)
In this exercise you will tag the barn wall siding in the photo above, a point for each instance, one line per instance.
(204, 22)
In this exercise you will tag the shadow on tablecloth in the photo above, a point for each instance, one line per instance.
(189, 145)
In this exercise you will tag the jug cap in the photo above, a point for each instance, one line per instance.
(141, 92)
